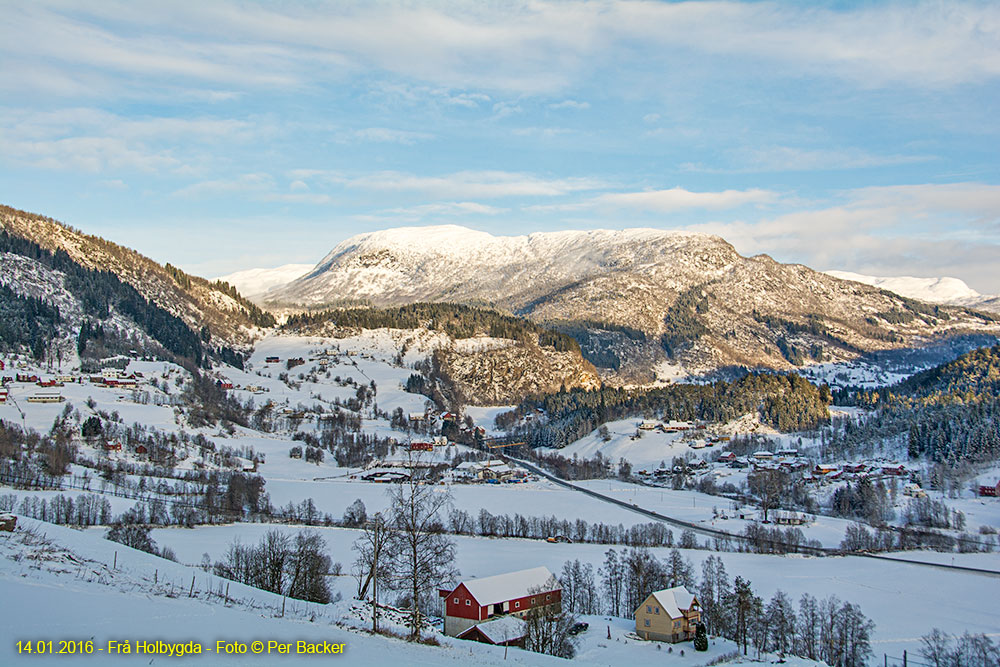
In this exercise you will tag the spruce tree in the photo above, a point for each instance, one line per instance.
(700, 638)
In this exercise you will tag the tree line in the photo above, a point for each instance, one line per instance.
(787, 402)
(456, 320)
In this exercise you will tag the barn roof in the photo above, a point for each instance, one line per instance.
(501, 630)
(503, 587)
(674, 600)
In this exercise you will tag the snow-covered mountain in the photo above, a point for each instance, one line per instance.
(253, 282)
(631, 297)
(933, 290)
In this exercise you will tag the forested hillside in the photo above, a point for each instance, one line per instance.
(457, 321)
(972, 377)
(196, 302)
(788, 403)
(30, 322)
(949, 414)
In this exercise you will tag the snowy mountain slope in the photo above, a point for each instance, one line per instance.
(685, 295)
(194, 300)
(933, 290)
(254, 282)
(27, 277)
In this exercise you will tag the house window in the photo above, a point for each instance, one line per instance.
(548, 597)
(468, 603)
(656, 610)
(532, 600)
(646, 622)
(517, 605)
(649, 610)
(456, 600)
(677, 624)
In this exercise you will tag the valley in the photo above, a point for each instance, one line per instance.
(801, 480)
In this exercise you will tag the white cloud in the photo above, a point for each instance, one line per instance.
(894, 230)
(92, 140)
(570, 104)
(504, 109)
(527, 47)
(463, 185)
(675, 199)
(789, 158)
(448, 208)
(387, 135)
(247, 183)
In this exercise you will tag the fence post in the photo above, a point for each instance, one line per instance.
(904, 657)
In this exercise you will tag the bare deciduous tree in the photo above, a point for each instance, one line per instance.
(422, 557)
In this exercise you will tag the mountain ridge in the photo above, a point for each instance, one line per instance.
(696, 301)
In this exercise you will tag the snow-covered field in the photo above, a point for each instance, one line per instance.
(76, 586)
(904, 601)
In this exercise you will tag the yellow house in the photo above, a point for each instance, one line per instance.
(669, 615)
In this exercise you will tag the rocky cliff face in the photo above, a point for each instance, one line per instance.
(641, 301)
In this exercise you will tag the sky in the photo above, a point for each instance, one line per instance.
(221, 136)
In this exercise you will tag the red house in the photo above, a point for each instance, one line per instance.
(992, 491)
(421, 446)
(478, 600)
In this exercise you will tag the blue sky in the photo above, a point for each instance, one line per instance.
(221, 136)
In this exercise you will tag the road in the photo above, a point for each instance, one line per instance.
(713, 532)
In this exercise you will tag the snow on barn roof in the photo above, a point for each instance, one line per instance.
(503, 629)
(503, 587)
(673, 600)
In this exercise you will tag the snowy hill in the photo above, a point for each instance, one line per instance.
(933, 290)
(253, 282)
(632, 297)
(195, 301)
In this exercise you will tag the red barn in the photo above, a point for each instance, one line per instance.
(478, 600)
(992, 491)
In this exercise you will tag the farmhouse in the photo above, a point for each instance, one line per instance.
(472, 602)
(986, 490)
(669, 615)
